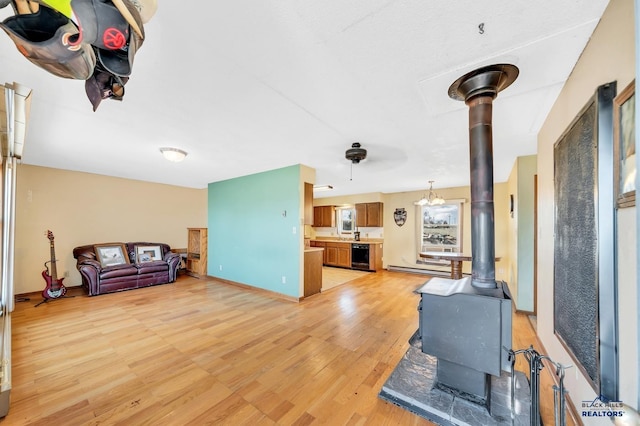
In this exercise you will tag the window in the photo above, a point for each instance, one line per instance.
(441, 228)
(346, 220)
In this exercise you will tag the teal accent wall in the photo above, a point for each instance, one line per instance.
(251, 236)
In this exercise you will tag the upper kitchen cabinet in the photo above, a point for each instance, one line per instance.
(369, 215)
(324, 216)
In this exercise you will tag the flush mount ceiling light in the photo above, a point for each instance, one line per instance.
(432, 199)
(173, 154)
(322, 187)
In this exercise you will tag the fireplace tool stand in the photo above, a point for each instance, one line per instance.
(559, 392)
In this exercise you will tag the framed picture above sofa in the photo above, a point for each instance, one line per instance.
(111, 254)
(148, 253)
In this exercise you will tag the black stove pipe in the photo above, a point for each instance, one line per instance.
(478, 89)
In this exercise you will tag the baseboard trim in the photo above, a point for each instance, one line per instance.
(268, 293)
(39, 292)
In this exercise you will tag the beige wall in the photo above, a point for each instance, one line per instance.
(627, 306)
(609, 56)
(82, 208)
(400, 242)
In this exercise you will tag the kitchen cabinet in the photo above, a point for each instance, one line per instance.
(338, 254)
(197, 252)
(321, 244)
(332, 255)
(375, 256)
(308, 203)
(324, 216)
(344, 255)
(312, 271)
(369, 215)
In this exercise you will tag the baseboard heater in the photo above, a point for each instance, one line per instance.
(418, 270)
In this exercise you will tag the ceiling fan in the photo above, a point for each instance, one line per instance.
(355, 154)
(377, 159)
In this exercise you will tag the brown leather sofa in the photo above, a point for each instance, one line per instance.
(97, 279)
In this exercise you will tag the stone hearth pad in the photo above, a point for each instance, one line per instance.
(412, 387)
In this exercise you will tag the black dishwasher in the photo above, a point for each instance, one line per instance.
(360, 256)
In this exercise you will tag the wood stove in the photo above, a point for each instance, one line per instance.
(456, 370)
(469, 331)
(466, 324)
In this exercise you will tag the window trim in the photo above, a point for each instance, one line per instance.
(339, 221)
(458, 247)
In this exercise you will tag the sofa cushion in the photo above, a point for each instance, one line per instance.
(153, 266)
(118, 284)
(118, 271)
(153, 278)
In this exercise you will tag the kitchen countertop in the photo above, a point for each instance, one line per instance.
(335, 240)
(308, 249)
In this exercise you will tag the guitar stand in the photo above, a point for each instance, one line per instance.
(47, 300)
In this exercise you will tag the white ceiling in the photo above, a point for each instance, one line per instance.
(252, 85)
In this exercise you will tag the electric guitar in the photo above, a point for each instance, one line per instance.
(54, 288)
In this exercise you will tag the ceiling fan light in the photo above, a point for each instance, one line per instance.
(173, 154)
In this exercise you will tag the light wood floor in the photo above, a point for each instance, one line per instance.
(203, 352)
(333, 277)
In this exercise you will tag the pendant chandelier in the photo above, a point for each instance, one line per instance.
(432, 199)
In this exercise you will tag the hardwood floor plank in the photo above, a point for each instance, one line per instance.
(201, 351)
(71, 414)
(196, 402)
(127, 393)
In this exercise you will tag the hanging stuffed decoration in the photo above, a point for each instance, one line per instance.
(91, 40)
